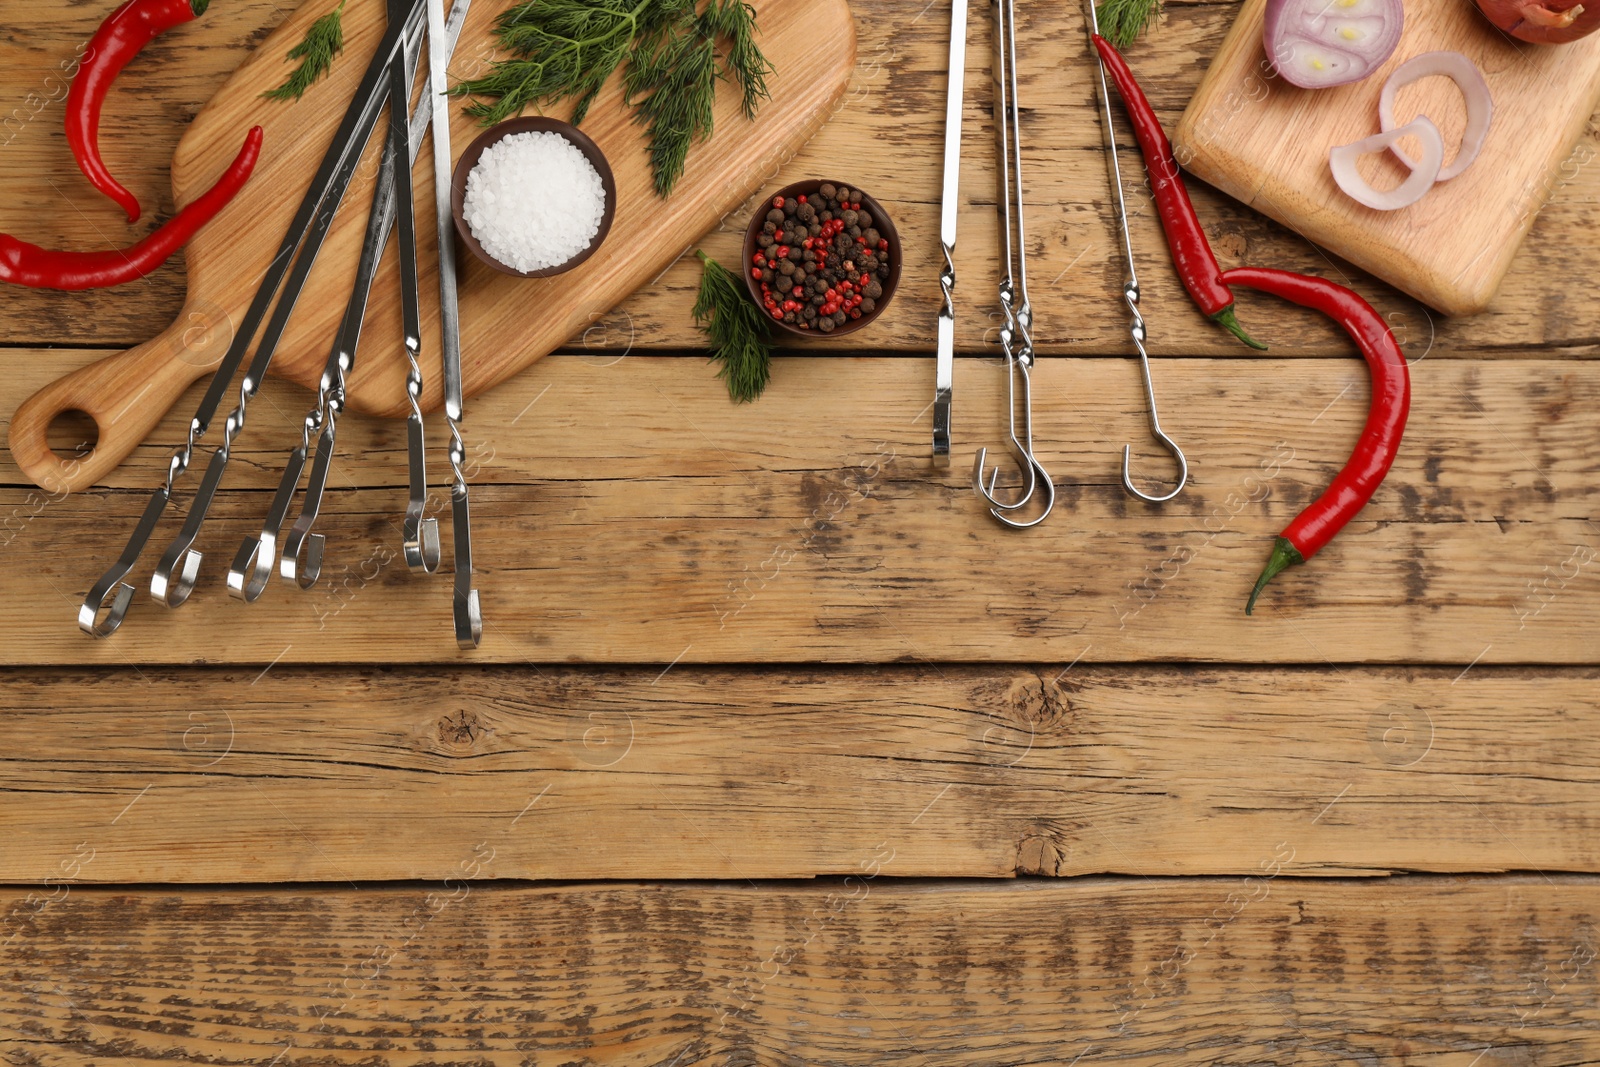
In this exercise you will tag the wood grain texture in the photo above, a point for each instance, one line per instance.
(506, 322)
(626, 511)
(1261, 970)
(303, 775)
(887, 133)
(1265, 141)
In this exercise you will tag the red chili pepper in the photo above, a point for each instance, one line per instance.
(27, 264)
(1191, 252)
(1386, 417)
(119, 38)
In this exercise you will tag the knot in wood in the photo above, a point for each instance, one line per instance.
(1037, 703)
(461, 728)
(1038, 853)
(1231, 245)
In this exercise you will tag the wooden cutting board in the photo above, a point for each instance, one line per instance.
(506, 322)
(1265, 142)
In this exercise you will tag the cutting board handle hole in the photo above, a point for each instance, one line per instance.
(72, 434)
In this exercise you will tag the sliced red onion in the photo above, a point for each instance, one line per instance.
(1480, 105)
(1321, 43)
(1342, 160)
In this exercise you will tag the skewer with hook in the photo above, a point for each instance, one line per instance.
(1130, 296)
(1016, 330)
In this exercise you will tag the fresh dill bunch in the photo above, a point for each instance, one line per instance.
(740, 337)
(1122, 21)
(560, 49)
(669, 50)
(322, 42)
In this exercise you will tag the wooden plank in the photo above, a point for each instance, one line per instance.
(1261, 970)
(887, 137)
(295, 774)
(626, 511)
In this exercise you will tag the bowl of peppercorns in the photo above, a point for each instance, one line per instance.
(821, 258)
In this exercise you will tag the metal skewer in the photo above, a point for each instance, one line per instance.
(419, 534)
(302, 561)
(106, 605)
(945, 366)
(252, 565)
(467, 613)
(1130, 295)
(1016, 331)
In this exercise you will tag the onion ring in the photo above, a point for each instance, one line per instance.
(1342, 161)
(1468, 78)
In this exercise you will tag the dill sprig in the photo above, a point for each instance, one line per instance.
(561, 49)
(672, 85)
(740, 337)
(323, 40)
(735, 21)
(1122, 21)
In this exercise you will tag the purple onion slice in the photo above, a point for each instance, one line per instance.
(1480, 105)
(1425, 171)
(1317, 44)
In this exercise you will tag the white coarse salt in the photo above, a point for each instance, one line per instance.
(534, 201)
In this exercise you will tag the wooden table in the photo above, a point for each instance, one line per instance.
(777, 749)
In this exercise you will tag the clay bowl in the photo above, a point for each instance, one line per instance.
(880, 220)
(530, 124)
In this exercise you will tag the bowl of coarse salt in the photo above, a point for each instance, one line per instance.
(533, 197)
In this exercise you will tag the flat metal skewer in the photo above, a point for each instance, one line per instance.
(252, 565)
(466, 608)
(106, 604)
(950, 203)
(419, 533)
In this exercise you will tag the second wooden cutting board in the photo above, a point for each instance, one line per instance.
(1265, 142)
(506, 322)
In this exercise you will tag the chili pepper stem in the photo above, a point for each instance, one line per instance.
(1284, 555)
(1230, 322)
